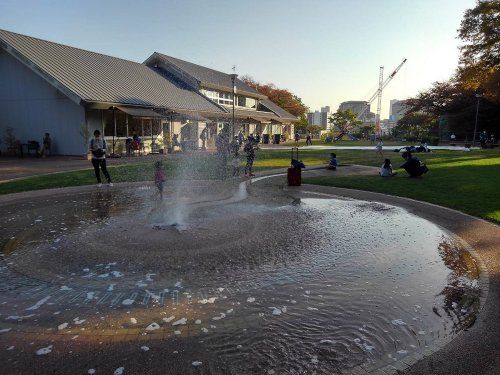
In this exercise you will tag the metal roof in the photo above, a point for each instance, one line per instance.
(94, 77)
(283, 114)
(207, 77)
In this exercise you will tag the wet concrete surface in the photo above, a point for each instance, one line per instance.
(212, 280)
(476, 349)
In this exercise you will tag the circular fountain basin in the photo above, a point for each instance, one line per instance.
(214, 276)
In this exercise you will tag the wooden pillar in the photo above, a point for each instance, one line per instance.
(126, 123)
(114, 133)
(102, 122)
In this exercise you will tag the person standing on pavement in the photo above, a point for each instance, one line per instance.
(250, 153)
(97, 148)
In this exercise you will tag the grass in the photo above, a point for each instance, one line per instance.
(343, 142)
(469, 182)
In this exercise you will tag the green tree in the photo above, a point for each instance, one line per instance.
(479, 65)
(301, 125)
(458, 104)
(314, 129)
(344, 121)
(417, 125)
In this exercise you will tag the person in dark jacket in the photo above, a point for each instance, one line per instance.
(413, 165)
(250, 153)
(97, 147)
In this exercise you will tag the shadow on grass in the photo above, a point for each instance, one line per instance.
(472, 189)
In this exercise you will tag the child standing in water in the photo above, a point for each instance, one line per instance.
(160, 177)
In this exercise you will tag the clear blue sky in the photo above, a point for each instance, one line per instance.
(325, 51)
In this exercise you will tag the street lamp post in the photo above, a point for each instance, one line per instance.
(475, 125)
(233, 78)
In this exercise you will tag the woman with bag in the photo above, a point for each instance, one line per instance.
(97, 148)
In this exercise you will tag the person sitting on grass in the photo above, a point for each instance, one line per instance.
(333, 162)
(386, 169)
(160, 177)
(413, 165)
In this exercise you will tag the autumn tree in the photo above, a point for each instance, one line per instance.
(479, 65)
(281, 97)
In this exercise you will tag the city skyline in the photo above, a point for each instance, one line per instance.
(330, 62)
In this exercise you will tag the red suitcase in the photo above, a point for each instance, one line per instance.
(294, 175)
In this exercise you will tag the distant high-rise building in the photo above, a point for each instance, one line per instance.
(320, 118)
(359, 107)
(397, 110)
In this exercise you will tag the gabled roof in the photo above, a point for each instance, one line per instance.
(283, 114)
(206, 77)
(94, 77)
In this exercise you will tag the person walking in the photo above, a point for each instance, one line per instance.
(309, 139)
(97, 148)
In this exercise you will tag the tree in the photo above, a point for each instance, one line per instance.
(85, 136)
(344, 121)
(417, 125)
(314, 129)
(478, 73)
(479, 65)
(458, 104)
(281, 97)
(301, 125)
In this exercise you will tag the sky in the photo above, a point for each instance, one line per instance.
(324, 51)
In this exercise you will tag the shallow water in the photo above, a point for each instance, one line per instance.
(264, 282)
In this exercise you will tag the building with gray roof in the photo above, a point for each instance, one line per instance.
(68, 92)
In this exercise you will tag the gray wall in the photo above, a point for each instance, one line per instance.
(32, 107)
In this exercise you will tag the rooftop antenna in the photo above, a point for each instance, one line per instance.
(234, 69)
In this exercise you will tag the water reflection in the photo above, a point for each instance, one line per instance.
(297, 285)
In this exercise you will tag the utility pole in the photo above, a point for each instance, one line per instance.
(475, 125)
(379, 99)
(233, 78)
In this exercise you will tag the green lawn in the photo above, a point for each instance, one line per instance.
(466, 181)
(342, 142)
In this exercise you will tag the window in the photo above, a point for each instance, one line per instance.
(219, 97)
(244, 101)
(225, 98)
